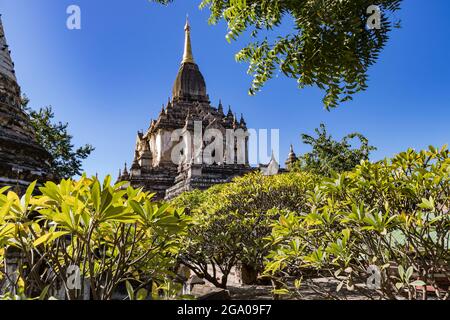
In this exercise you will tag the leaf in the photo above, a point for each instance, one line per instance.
(7, 230)
(28, 194)
(298, 283)
(141, 294)
(427, 204)
(346, 234)
(4, 189)
(418, 283)
(119, 214)
(340, 285)
(401, 272)
(280, 291)
(44, 292)
(106, 200)
(350, 286)
(95, 192)
(49, 237)
(409, 273)
(130, 290)
(138, 208)
(283, 221)
(5, 209)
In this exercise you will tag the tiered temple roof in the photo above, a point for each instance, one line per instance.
(152, 167)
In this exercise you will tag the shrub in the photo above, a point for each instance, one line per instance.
(111, 233)
(386, 222)
(232, 220)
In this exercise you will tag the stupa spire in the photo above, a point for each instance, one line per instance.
(242, 121)
(125, 170)
(187, 56)
(6, 63)
(189, 84)
(292, 158)
(230, 114)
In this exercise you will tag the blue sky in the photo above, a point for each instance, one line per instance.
(110, 78)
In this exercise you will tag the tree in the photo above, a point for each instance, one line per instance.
(328, 155)
(231, 222)
(381, 230)
(54, 137)
(331, 45)
(110, 233)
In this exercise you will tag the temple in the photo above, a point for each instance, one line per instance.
(292, 159)
(22, 159)
(153, 166)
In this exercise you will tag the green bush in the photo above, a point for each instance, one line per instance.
(232, 220)
(111, 233)
(389, 217)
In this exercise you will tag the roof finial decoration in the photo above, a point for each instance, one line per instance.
(6, 65)
(242, 122)
(187, 56)
(230, 113)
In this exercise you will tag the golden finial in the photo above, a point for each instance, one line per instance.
(187, 57)
(187, 27)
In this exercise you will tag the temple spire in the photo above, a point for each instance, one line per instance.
(189, 84)
(6, 63)
(230, 114)
(242, 121)
(22, 158)
(187, 56)
(125, 170)
(292, 158)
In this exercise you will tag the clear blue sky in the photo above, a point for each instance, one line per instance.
(110, 78)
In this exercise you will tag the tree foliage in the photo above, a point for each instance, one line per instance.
(232, 220)
(113, 235)
(328, 155)
(329, 46)
(54, 137)
(391, 216)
